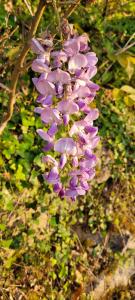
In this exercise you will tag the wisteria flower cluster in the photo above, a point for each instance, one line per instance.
(65, 92)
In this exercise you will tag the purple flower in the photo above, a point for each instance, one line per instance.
(77, 127)
(76, 44)
(92, 130)
(39, 66)
(36, 46)
(69, 107)
(53, 129)
(72, 46)
(93, 115)
(58, 76)
(49, 115)
(53, 176)
(60, 57)
(75, 161)
(87, 164)
(43, 86)
(83, 39)
(49, 159)
(65, 92)
(45, 100)
(66, 145)
(66, 119)
(57, 187)
(63, 160)
(73, 181)
(91, 59)
(77, 62)
(44, 135)
(74, 192)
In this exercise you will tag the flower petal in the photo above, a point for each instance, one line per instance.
(65, 145)
(93, 115)
(92, 130)
(72, 46)
(83, 39)
(50, 159)
(53, 129)
(49, 116)
(39, 66)
(77, 62)
(44, 87)
(91, 59)
(87, 164)
(53, 176)
(94, 141)
(38, 110)
(59, 76)
(63, 160)
(66, 119)
(57, 187)
(43, 134)
(36, 46)
(73, 181)
(69, 107)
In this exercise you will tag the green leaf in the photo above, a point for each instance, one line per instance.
(9, 262)
(7, 153)
(129, 100)
(128, 89)
(106, 77)
(53, 222)
(6, 243)
(2, 227)
(116, 94)
(1, 161)
(20, 174)
(38, 160)
(63, 272)
(127, 62)
(9, 205)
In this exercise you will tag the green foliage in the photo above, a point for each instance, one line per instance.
(52, 248)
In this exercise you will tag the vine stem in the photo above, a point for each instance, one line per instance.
(19, 65)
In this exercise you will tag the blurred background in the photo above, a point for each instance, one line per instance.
(50, 249)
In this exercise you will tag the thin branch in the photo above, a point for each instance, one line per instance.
(3, 86)
(26, 66)
(105, 8)
(71, 6)
(29, 7)
(71, 9)
(58, 17)
(132, 37)
(8, 35)
(125, 48)
(19, 64)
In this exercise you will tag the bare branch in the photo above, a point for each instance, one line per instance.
(19, 65)
(29, 7)
(125, 48)
(3, 86)
(71, 8)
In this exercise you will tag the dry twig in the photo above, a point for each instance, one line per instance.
(29, 7)
(19, 64)
(3, 86)
(71, 8)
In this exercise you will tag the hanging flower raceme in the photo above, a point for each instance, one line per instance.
(65, 93)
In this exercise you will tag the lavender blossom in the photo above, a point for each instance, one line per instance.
(65, 92)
